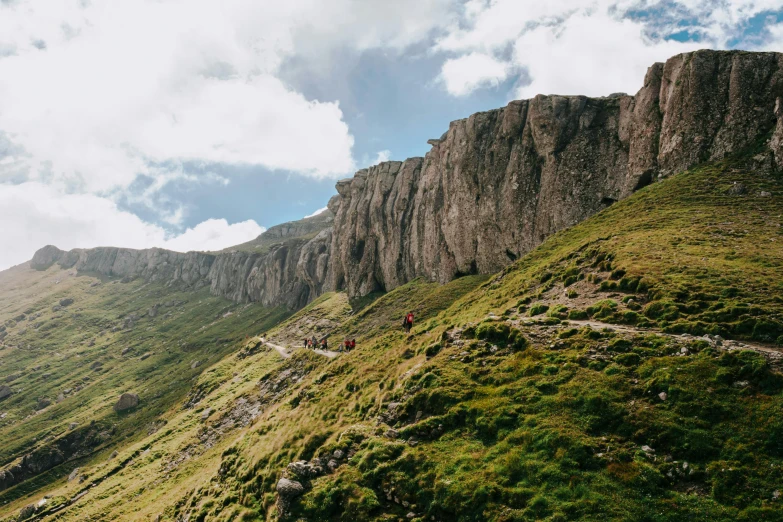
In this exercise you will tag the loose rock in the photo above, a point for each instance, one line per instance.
(126, 402)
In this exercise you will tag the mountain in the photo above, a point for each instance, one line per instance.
(276, 268)
(599, 328)
(495, 185)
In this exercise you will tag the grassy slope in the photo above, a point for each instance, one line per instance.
(73, 358)
(556, 431)
(487, 427)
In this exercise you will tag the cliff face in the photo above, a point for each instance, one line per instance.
(274, 278)
(492, 188)
(499, 182)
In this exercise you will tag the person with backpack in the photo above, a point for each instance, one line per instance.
(408, 322)
(353, 344)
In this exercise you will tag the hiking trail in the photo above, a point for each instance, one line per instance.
(284, 352)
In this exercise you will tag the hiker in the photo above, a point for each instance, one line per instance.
(345, 346)
(315, 343)
(407, 322)
(353, 344)
(305, 343)
(308, 343)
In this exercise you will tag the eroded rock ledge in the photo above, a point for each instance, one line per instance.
(493, 187)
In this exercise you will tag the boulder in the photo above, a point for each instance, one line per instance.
(737, 189)
(27, 512)
(5, 392)
(46, 257)
(66, 302)
(304, 470)
(126, 401)
(287, 491)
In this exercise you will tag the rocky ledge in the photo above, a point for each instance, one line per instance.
(492, 188)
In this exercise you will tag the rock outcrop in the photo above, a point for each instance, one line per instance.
(290, 273)
(75, 444)
(499, 182)
(491, 189)
(126, 401)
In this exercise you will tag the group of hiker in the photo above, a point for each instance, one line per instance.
(313, 343)
(349, 344)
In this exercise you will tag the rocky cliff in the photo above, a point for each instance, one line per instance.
(493, 187)
(499, 182)
(288, 273)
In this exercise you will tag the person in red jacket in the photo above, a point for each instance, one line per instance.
(408, 322)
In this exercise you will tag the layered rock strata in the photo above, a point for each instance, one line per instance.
(493, 187)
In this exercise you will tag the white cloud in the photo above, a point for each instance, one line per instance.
(98, 92)
(35, 215)
(575, 47)
(214, 234)
(466, 73)
(319, 211)
(590, 54)
(383, 155)
(122, 86)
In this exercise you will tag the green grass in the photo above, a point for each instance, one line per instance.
(74, 359)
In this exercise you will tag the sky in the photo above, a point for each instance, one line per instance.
(196, 125)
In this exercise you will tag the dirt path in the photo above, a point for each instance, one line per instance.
(725, 343)
(284, 353)
(728, 344)
(328, 353)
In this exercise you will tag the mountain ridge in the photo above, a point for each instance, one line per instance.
(539, 165)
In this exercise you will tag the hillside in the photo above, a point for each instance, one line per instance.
(626, 369)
